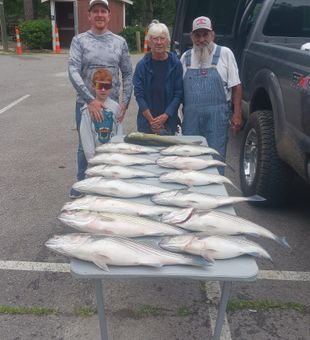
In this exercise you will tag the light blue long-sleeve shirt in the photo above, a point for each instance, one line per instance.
(88, 52)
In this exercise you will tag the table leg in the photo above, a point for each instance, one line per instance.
(100, 307)
(222, 310)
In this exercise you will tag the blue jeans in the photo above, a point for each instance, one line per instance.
(81, 160)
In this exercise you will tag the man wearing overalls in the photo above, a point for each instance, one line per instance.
(211, 89)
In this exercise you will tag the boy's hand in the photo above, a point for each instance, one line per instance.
(94, 108)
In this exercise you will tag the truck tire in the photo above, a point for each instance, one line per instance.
(262, 172)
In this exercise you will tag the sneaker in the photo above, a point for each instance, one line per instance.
(75, 194)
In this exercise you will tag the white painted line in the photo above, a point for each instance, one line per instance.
(14, 103)
(283, 275)
(35, 266)
(213, 292)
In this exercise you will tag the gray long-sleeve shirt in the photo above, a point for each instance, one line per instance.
(88, 52)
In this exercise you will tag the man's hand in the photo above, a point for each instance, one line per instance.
(158, 123)
(122, 112)
(236, 122)
(94, 108)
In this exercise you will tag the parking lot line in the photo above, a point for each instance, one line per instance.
(14, 103)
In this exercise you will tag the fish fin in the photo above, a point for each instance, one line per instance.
(256, 198)
(256, 254)
(283, 242)
(208, 257)
(201, 261)
(100, 261)
(156, 265)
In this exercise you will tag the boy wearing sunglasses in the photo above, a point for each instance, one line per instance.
(92, 132)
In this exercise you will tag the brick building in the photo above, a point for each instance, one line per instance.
(71, 17)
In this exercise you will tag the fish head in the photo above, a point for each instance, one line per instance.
(76, 218)
(79, 203)
(165, 196)
(175, 243)
(66, 244)
(86, 183)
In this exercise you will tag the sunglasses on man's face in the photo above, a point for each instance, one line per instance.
(103, 86)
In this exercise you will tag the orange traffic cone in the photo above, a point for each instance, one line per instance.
(18, 43)
(57, 43)
(146, 43)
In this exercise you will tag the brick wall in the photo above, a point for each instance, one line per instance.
(116, 22)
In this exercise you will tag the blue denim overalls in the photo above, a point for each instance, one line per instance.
(206, 109)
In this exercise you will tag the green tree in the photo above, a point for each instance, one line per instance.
(142, 12)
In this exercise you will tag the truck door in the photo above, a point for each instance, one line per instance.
(225, 16)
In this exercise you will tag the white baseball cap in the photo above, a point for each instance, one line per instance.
(202, 23)
(98, 2)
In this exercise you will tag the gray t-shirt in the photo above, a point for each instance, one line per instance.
(88, 52)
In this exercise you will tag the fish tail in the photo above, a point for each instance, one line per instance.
(283, 242)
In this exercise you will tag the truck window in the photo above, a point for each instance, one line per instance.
(221, 12)
(289, 18)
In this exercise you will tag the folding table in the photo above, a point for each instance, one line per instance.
(238, 269)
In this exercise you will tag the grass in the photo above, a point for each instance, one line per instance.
(265, 305)
(86, 311)
(147, 311)
(38, 311)
(183, 311)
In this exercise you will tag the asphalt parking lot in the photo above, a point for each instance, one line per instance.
(38, 297)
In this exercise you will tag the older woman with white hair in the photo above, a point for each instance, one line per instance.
(158, 84)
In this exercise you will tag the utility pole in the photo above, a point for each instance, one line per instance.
(4, 36)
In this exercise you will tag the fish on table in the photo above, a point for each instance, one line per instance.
(149, 139)
(187, 163)
(119, 159)
(188, 150)
(117, 251)
(118, 171)
(213, 247)
(194, 178)
(117, 224)
(215, 222)
(186, 198)
(115, 188)
(125, 148)
(129, 207)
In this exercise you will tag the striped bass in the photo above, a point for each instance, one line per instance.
(126, 148)
(213, 247)
(116, 251)
(117, 224)
(186, 199)
(187, 163)
(115, 188)
(220, 223)
(118, 171)
(194, 178)
(155, 140)
(188, 150)
(107, 204)
(119, 159)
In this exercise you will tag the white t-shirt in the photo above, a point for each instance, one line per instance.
(87, 129)
(227, 67)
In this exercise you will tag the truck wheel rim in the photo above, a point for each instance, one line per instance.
(250, 157)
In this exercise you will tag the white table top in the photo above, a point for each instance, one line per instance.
(243, 268)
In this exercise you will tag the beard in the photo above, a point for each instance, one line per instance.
(203, 52)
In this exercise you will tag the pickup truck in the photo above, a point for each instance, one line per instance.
(270, 40)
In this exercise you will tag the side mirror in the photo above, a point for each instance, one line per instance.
(176, 48)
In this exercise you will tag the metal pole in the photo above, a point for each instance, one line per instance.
(4, 36)
(222, 309)
(100, 308)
